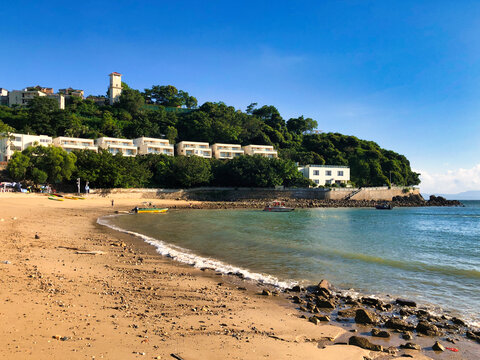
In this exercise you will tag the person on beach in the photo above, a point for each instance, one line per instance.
(87, 188)
(113, 203)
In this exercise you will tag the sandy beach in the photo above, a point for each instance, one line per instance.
(72, 289)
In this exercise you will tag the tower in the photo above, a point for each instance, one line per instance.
(115, 88)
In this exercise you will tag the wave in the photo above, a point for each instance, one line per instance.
(406, 265)
(185, 256)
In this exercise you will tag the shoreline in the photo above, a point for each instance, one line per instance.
(180, 309)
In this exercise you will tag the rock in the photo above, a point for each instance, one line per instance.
(411, 346)
(438, 347)
(363, 316)
(426, 328)
(297, 300)
(458, 321)
(296, 288)
(324, 284)
(407, 335)
(405, 302)
(326, 304)
(36, 236)
(347, 313)
(380, 333)
(371, 301)
(364, 343)
(314, 319)
(473, 336)
(323, 317)
(266, 292)
(399, 324)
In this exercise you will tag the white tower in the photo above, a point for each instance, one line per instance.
(115, 88)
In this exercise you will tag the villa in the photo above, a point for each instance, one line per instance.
(148, 145)
(226, 151)
(125, 147)
(262, 150)
(189, 148)
(326, 174)
(70, 143)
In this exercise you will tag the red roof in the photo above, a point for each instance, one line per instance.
(115, 73)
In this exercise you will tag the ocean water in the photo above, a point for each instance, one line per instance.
(431, 254)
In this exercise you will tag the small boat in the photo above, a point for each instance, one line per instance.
(55, 198)
(384, 206)
(277, 206)
(152, 210)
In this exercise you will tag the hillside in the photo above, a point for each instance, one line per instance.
(154, 113)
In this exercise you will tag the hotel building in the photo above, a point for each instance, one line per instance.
(69, 143)
(125, 147)
(262, 150)
(326, 174)
(226, 151)
(189, 148)
(148, 145)
(19, 142)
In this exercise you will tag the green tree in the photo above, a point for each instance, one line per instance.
(18, 165)
(191, 171)
(300, 125)
(54, 161)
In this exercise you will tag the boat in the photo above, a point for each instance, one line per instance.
(384, 206)
(277, 206)
(151, 210)
(55, 198)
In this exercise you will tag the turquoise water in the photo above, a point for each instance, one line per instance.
(429, 254)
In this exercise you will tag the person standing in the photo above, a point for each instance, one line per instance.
(87, 188)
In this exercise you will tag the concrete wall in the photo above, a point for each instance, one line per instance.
(236, 194)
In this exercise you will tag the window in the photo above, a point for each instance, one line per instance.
(18, 139)
(328, 172)
(316, 172)
(317, 182)
(340, 173)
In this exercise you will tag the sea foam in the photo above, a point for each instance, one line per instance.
(186, 256)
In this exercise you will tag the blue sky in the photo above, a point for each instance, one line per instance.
(405, 74)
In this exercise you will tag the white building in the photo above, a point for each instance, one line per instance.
(189, 148)
(69, 143)
(263, 150)
(326, 174)
(3, 96)
(22, 97)
(148, 145)
(115, 88)
(226, 151)
(125, 147)
(19, 142)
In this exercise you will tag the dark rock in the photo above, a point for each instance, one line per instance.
(326, 304)
(363, 316)
(297, 300)
(324, 293)
(371, 301)
(458, 321)
(438, 347)
(324, 284)
(380, 333)
(296, 288)
(473, 336)
(405, 302)
(314, 319)
(37, 236)
(364, 343)
(266, 292)
(399, 324)
(347, 313)
(407, 335)
(323, 317)
(406, 312)
(410, 345)
(426, 328)
(302, 308)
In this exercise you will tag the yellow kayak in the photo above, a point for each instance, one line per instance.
(55, 198)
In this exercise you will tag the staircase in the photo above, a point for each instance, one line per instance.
(352, 194)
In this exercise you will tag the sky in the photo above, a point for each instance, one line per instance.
(405, 74)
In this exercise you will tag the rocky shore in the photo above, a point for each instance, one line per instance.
(396, 322)
(398, 201)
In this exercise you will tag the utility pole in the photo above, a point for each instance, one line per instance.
(390, 178)
(78, 185)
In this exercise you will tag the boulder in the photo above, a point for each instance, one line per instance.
(380, 333)
(323, 317)
(325, 304)
(297, 300)
(438, 347)
(405, 302)
(399, 324)
(296, 288)
(371, 301)
(411, 346)
(364, 343)
(473, 336)
(347, 313)
(324, 284)
(363, 316)
(407, 335)
(314, 319)
(266, 292)
(426, 328)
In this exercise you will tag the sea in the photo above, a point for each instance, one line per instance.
(427, 254)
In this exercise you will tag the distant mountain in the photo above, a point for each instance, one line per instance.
(466, 195)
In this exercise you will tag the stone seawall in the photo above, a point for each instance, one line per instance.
(242, 194)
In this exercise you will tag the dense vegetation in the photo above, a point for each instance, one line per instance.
(164, 111)
(54, 165)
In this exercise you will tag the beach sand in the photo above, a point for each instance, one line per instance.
(83, 291)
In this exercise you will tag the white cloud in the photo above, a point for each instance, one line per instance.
(451, 181)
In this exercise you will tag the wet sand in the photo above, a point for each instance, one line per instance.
(82, 291)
